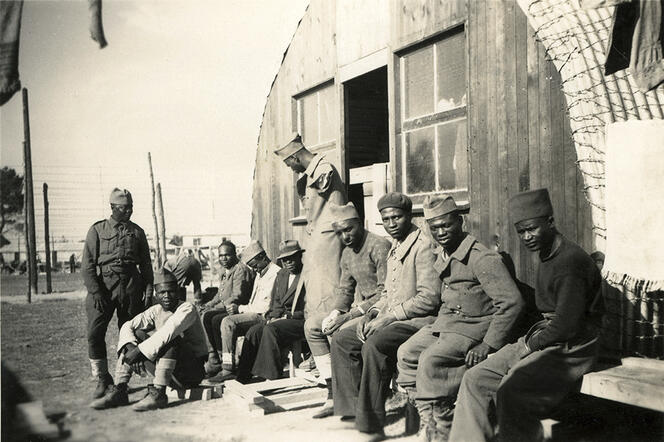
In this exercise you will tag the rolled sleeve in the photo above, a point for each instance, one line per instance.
(144, 321)
(175, 325)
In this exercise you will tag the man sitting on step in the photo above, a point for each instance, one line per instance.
(166, 342)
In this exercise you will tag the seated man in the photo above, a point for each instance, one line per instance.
(235, 284)
(187, 270)
(527, 379)
(364, 359)
(263, 343)
(166, 342)
(250, 314)
(480, 305)
(362, 280)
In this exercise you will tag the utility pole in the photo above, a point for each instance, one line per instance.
(30, 200)
(162, 226)
(49, 287)
(154, 218)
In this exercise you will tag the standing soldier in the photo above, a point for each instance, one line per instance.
(117, 273)
(319, 184)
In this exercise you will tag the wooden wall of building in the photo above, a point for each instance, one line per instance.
(518, 128)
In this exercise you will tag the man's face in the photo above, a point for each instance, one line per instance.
(258, 262)
(536, 233)
(227, 257)
(167, 296)
(293, 263)
(396, 222)
(121, 212)
(294, 163)
(350, 232)
(447, 230)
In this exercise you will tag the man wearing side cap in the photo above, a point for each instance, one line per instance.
(319, 185)
(187, 270)
(364, 359)
(480, 305)
(263, 343)
(117, 273)
(250, 314)
(527, 379)
(166, 342)
(362, 281)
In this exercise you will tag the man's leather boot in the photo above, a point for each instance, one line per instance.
(443, 413)
(103, 383)
(116, 396)
(155, 399)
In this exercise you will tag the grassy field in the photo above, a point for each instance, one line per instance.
(17, 285)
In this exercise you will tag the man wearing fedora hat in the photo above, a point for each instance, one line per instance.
(318, 185)
(117, 273)
(364, 358)
(263, 343)
(248, 315)
(363, 268)
(480, 305)
(525, 380)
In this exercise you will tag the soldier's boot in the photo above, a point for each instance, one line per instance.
(116, 396)
(443, 412)
(103, 382)
(155, 399)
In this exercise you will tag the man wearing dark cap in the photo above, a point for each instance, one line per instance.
(362, 281)
(117, 273)
(364, 359)
(319, 185)
(187, 270)
(527, 379)
(263, 343)
(480, 305)
(166, 342)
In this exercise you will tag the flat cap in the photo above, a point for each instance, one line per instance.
(397, 200)
(253, 249)
(164, 276)
(120, 196)
(439, 205)
(289, 247)
(341, 213)
(294, 145)
(531, 204)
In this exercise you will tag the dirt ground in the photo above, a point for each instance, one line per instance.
(44, 343)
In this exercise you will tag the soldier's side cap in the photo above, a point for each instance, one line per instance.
(253, 249)
(439, 205)
(294, 145)
(395, 199)
(288, 248)
(342, 213)
(164, 276)
(531, 204)
(120, 196)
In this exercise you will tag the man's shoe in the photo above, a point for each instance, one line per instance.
(326, 410)
(223, 375)
(372, 437)
(155, 399)
(308, 364)
(103, 382)
(116, 396)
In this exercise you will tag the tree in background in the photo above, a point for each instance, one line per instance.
(11, 197)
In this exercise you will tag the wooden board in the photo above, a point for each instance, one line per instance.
(201, 393)
(278, 395)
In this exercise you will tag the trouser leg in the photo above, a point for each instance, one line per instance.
(97, 326)
(129, 296)
(379, 354)
(347, 367)
(317, 340)
(276, 336)
(408, 355)
(252, 340)
(233, 326)
(211, 330)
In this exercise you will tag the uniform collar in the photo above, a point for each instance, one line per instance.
(362, 242)
(459, 254)
(401, 249)
(114, 223)
(311, 169)
(558, 241)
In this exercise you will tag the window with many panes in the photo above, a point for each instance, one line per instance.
(432, 146)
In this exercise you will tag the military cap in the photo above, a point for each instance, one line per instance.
(120, 196)
(253, 250)
(531, 204)
(289, 247)
(395, 199)
(164, 276)
(292, 147)
(439, 205)
(341, 213)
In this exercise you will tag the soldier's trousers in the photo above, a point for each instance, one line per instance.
(319, 342)
(362, 373)
(126, 300)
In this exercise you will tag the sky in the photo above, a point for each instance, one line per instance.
(186, 80)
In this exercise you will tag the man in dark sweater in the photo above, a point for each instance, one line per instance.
(530, 377)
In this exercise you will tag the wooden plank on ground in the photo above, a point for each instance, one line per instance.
(647, 363)
(201, 393)
(244, 391)
(642, 387)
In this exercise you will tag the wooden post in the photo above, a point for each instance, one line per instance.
(162, 223)
(30, 200)
(25, 233)
(154, 217)
(49, 287)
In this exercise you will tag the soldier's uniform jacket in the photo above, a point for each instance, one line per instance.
(113, 251)
(412, 287)
(480, 299)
